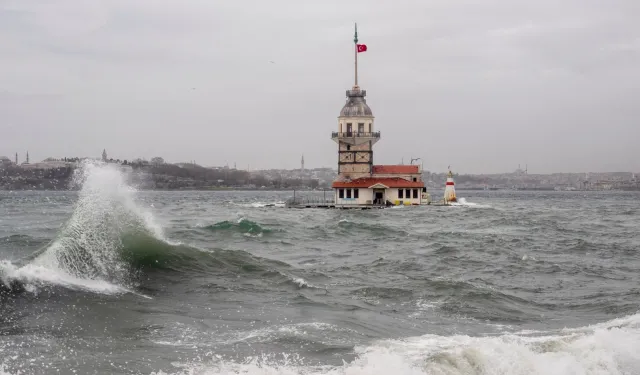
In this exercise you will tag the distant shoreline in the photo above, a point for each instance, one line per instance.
(303, 191)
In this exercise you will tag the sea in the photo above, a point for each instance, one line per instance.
(110, 279)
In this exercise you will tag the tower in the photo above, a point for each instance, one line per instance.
(355, 136)
(27, 161)
(16, 158)
(104, 155)
(302, 163)
(449, 189)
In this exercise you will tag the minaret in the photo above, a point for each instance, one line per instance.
(16, 158)
(355, 135)
(104, 155)
(302, 163)
(27, 157)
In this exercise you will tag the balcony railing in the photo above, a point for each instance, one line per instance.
(355, 135)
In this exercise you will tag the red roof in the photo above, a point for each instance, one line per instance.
(396, 169)
(367, 182)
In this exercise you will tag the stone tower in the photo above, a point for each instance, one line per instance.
(356, 135)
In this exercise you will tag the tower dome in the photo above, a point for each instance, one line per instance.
(356, 105)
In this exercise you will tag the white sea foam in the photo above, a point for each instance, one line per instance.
(465, 203)
(86, 253)
(32, 276)
(278, 204)
(301, 282)
(607, 348)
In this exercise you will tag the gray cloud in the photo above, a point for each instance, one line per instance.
(482, 86)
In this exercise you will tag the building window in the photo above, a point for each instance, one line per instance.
(415, 193)
(361, 128)
(400, 193)
(415, 179)
(349, 130)
(348, 147)
(341, 193)
(408, 194)
(356, 193)
(348, 193)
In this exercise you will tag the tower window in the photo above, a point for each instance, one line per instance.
(349, 129)
(348, 147)
(415, 179)
(361, 128)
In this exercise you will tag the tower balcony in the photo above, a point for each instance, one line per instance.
(355, 138)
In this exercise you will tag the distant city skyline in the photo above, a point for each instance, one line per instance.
(479, 86)
(303, 165)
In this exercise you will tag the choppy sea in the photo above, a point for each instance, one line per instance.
(112, 280)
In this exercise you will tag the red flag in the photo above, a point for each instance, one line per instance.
(361, 47)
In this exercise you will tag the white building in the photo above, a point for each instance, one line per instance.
(359, 180)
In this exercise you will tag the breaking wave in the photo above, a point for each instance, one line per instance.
(110, 239)
(606, 348)
(87, 253)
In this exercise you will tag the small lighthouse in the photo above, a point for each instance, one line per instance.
(449, 189)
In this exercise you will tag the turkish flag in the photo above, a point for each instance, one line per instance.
(361, 47)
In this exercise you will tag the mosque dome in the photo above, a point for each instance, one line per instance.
(356, 105)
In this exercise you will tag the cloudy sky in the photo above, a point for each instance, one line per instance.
(479, 85)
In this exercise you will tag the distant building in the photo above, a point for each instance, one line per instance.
(104, 155)
(27, 159)
(5, 161)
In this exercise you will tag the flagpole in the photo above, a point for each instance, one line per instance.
(355, 48)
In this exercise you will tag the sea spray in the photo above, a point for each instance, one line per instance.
(88, 251)
(606, 348)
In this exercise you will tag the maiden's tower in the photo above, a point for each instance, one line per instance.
(360, 182)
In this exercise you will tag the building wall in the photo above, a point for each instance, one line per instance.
(365, 196)
(361, 147)
(354, 171)
(392, 196)
(367, 121)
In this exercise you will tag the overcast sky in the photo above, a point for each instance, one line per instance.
(479, 85)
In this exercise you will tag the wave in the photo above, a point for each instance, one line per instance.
(606, 348)
(346, 227)
(87, 253)
(278, 204)
(21, 240)
(242, 225)
(463, 202)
